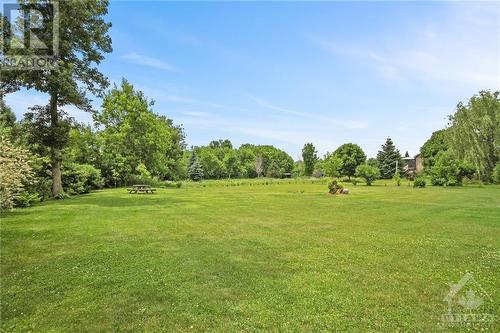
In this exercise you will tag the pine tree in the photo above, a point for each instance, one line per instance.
(387, 158)
(195, 170)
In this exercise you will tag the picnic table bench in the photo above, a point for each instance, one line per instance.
(141, 189)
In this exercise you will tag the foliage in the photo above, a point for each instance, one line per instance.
(195, 171)
(475, 132)
(432, 147)
(449, 171)
(232, 164)
(496, 173)
(83, 146)
(419, 182)
(273, 171)
(368, 172)
(373, 162)
(134, 134)
(26, 199)
(332, 165)
(15, 172)
(388, 157)
(350, 155)
(142, 171)
(81, 178)
(397, 178)
(334, 187)
(84, 36)
(309, 156)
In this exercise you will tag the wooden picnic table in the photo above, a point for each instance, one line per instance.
(141, 189)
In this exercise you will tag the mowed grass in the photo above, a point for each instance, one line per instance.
(281, 257)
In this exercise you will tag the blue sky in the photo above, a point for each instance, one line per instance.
(286, 73)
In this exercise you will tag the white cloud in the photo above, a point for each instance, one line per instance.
(149, 61)
(462, 48)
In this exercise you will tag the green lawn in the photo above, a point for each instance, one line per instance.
(280, 257)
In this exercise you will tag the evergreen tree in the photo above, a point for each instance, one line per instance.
(387, 158)
(195, 171)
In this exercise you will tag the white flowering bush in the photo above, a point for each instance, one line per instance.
(15, 171)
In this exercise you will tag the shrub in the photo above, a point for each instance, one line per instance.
(334, 187)
(81, 178)
(419, 182)
(448, 171)
(368, 172)
(26, 199)
(15, 172)
(397, 178)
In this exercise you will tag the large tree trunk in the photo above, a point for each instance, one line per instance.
(55, 152)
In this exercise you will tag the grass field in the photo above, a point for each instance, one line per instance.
(277, 257)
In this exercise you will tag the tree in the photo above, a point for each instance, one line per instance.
(259, 165)
(332, 165)
(368, 173)
(246, 158)
(351, 155)
(134, 134)
(84, 145)
(213, 166)
(309, 156)
(15, 172)
(273, 171)
(432, 147)
(231, 164)
(372, 162)
(195, 171)
(475, 132)
(84, 39)
(388, 158)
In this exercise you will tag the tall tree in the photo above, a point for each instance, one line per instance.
(388, 158)
(310, 157)
(475, 132)
(83, 39)
(351, 155)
